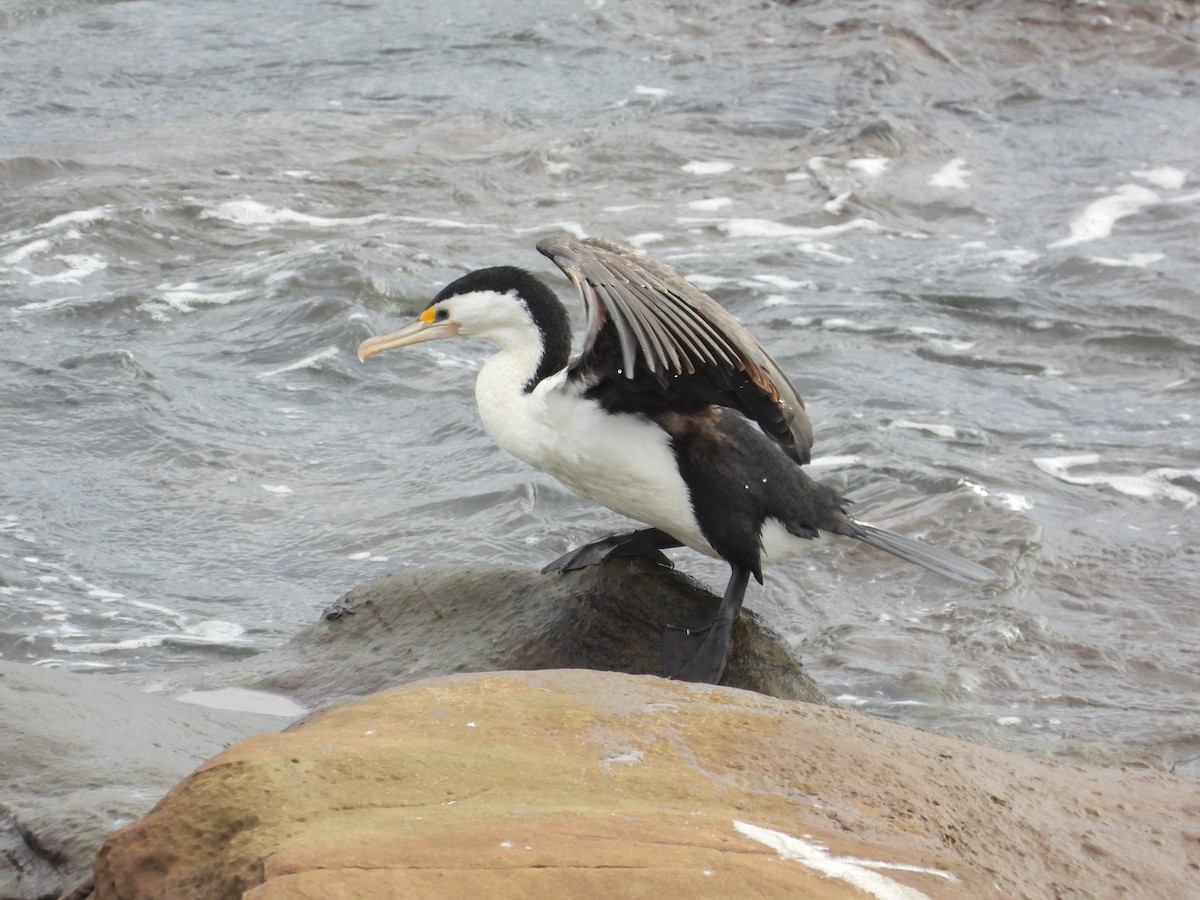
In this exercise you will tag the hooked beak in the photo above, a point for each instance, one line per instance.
(414, 333)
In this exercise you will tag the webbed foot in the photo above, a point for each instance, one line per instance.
(646, 543)
(706, 663)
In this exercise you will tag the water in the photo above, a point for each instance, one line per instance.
(967, 230)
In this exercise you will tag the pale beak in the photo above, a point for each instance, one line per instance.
(414, 333)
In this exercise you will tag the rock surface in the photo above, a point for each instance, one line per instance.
(81, 756)
(576, 783)
(422, 622)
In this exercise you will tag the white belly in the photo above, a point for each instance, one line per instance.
(622, 462)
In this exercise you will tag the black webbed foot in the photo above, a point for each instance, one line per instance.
(646, 543)
(707, 662)
(680, 647)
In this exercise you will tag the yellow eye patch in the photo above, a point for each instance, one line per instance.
(427, 316)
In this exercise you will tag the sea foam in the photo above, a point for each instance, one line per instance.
(1154, 484)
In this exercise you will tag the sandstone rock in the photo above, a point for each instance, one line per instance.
(420, 622)
(576, 783)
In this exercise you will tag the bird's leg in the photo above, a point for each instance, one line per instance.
(647, 543)
(707, 663)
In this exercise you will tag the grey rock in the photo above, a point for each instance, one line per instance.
(83, 755)
(422, 622)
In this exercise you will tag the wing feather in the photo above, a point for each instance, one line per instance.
(646, 323)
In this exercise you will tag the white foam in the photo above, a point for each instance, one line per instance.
(859, 873)
(646, 237)
(835, 461)
(711, 167)
(78, 267)
(824, 251)
(277, 488)
(58, 301)
(871, 165)
(103, 595)
(844, 324)
(1018, 256)
(281, 275)
(451, 361)
(709, 204)
(425, 220)
(72, 218)
(945, 345)
(1133, 261)
(109, 646)
(185, 297)
(949, 432)
(309, 362)
(1168, 178)
(656, 92)
(572, 228)
(205, 631)
(251, 212)
(851, 700)
(707, 282)
(41, 245)
(783, 282)
(1009, 500)
(213, 631)
(838, 203)
(1154, 484)
(952, 176)
(768, 228)
(1100, 216)
(154, 607)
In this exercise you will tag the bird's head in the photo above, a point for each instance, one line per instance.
(503, 304)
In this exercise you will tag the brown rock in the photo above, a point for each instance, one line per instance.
(577, 783)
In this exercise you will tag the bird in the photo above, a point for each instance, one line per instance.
(671, 414)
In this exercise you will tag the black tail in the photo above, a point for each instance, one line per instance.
(933, 558)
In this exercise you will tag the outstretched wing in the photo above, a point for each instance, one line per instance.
(650, 330)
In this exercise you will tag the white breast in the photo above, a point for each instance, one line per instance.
(623, 462)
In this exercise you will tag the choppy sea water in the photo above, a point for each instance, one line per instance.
(968, 232)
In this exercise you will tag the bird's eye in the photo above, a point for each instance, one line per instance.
(441, 313)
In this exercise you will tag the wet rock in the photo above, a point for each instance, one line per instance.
(576, 783)
(83, 755)
(421, 622)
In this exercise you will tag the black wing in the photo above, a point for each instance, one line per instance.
(657, 343)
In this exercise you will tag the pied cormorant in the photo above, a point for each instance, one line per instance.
(672, 414)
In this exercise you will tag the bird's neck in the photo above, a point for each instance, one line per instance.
(510, 410)
(529, 353)
(507, 372)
